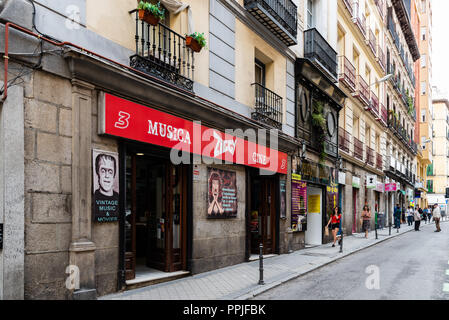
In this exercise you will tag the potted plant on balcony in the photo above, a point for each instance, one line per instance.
(196, 41)
(150, 13)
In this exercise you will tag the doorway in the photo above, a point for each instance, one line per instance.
(263, 199)
(354, 210)
(314, 233)
(156, 207)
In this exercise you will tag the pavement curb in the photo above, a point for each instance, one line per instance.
(266, 287)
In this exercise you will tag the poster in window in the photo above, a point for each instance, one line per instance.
(282, 197)
(299, 204)
(105, 186)
(222, 193)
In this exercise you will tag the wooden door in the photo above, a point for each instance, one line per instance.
(268, 209)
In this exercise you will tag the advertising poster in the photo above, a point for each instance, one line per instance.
(332, 198)
(105, 186)
(299, 204)
(222, 193)
(282, 197)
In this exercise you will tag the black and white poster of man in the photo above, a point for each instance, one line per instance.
(222, 193)
(105, 186)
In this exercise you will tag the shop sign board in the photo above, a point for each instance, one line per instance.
(222, 199)
(342, 178)
(127, 119)
(390, 187)
(380, 187)
(105, 167)
(356, 182)
(299, 204)
(371, 181)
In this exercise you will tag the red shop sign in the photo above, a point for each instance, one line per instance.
(126, 119)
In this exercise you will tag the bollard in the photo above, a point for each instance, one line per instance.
(341, 242)
(261, 282)
(376, 230)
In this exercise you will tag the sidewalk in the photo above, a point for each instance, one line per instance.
(241, 281)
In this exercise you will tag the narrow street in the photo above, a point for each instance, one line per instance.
(413, 266)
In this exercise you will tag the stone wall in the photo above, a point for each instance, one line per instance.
(217, 243)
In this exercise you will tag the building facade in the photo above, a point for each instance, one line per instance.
(109, 175)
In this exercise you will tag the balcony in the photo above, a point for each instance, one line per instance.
(358, 149)
(163, 54)
(372, 41)
(268, 106)
(383, 115)
(381, 57)
(278, 16)
(348, 4)
(346, 73)
(374, 105)
(380, 7)
(362, 91)
(344, 138)
(320, 52)
(370, 156)
(379, 161)
(359, 18)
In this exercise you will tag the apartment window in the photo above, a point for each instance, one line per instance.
(310, 21)
(423, 87)
(259, 72)
(423, 33)
(423, 115)
(423, 60)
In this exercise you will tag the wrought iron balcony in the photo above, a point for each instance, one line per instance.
(162, 53)
(320, 52)
(278, 16)
(380, 7)
(384, 115)
(344, 138)
(381, 57)
(348, 4)
(370, 156)
(379, 161)
(359, 18)
(374, 105)
(372, 41)
(346, 74)
(358, 149)
(268, 106)
(362, 91)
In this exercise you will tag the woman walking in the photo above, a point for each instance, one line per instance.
(334, 221)
(366, 216)
(417, 217)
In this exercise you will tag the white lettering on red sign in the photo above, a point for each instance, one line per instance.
(169, 132)
(123, 122)
(224, 146)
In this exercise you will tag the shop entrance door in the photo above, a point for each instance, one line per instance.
(263, 215)
(314, 233)
(156, 215)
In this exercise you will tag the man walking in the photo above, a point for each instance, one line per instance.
(417, 217)
(397, 217)
(409, 214)
(437, 216)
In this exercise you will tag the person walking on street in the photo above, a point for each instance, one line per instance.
(397, 217)
(417, 217)
(437, 216)
(424, 215)
(366, 216)
(334, 221)
(429, 214)
(409, 214)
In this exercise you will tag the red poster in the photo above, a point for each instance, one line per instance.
(126, 119)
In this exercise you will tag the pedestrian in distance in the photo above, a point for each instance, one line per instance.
(366, 216)
(397, 217)
(409, 214)
(424, 214)
(429, 213)
(436, 213)
(334, 221)
(417, 217)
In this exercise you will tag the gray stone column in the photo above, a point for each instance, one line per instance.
(12, 195)
(82, 249)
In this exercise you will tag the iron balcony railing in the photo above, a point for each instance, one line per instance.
(384, 115)
(162, 53)
(370, 156)
(279, 16)
(379, 161)
(359, 18)
(381, 57)
(268, 106)
(344, 138)
(318, 50)
(372, 41)
(346, 74)
(380, 7)
(362, 91)
(374, 105)
(348, 4)
(358, 149)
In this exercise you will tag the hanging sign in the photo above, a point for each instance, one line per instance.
(380, 187)
(342, 178)
(299, 203)
(390, 187)
(371, 181)
(356, 182)
(126, 119)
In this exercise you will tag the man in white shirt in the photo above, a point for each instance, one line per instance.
(437, 216)
(409, 213)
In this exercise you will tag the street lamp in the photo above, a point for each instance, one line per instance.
(386, 78)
